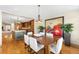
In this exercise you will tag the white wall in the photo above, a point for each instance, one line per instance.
(73, 17)
(0, 28)
(37, 24)
(12, 26)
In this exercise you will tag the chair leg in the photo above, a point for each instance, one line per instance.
(51, 52)
(26, 46)
(33, 52)
(60, 52)
(36, 52)
(29, 49)
(54, 53)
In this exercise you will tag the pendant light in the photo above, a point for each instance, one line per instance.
(39, 19)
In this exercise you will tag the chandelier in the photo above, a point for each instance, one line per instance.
(39, 19)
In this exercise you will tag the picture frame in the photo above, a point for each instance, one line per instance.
(49, 23)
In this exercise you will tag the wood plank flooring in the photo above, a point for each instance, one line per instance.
(11, 46)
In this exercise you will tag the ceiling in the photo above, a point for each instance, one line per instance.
(31, 11)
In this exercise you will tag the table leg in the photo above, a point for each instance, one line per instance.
(46, 50)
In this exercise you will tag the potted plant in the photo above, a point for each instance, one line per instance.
(41, 28)
(67, 28)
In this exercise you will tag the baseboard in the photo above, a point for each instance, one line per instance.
(75, 45)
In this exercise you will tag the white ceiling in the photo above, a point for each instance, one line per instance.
(10, 18)
(31, 11)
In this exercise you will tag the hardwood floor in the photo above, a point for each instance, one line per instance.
(70, 50)
(11, 46)
(14, 47)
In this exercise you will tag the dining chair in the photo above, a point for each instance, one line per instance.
(42, 33)
(29, 33)
(38, 35)
(26, 41)
(36, 47)
(50, 35)
(57, 49)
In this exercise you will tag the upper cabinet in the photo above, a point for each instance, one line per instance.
(28, 26)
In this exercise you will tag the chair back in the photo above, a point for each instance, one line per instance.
(59, 45)
(49, 35)
(42, 33)
(33, 43)
(26, 39)
(29, 33)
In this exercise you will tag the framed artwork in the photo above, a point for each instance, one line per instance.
(50, 23)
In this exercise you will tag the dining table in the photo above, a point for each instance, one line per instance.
(46, 41)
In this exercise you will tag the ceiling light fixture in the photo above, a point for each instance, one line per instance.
(39, 19)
